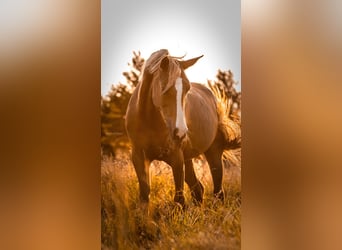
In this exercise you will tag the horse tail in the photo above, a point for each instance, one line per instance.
(229, 126)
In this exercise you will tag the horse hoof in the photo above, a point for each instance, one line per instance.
(197, 201)
(180, 200)
(197, 193)
(219, 195)
(144, 208)
(197, 198)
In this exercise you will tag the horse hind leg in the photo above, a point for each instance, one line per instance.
(214, 159)
(194, 184)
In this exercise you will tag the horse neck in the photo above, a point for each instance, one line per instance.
(146, 109)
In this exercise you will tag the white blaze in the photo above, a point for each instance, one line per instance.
(180, 120)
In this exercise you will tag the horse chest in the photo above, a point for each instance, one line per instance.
(157, 152)
(158, 148)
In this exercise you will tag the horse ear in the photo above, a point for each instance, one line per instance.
(188, 63)
(164, 74)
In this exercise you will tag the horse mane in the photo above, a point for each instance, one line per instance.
(151, 68)
(153, 62)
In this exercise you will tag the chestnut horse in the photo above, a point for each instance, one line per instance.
(170, 119)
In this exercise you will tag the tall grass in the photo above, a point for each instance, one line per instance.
(213, 225)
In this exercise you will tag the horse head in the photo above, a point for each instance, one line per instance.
(169, 88)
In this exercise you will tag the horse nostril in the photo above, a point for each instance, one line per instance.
(178, 135)
(175, 132)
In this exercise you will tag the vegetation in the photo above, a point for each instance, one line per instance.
(225, 84)
(213, 225)
(113, 109)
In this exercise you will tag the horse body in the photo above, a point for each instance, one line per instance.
(201, 116)
(156, 131)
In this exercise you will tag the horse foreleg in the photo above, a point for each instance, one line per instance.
(176, 161)
(142, 167)
(194, 184)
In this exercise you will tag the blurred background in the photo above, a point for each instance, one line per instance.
(190, 28)
(50, 90)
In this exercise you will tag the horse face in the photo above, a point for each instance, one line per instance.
(172, 107)
(173, 86)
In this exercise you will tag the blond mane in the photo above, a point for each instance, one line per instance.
(152, 66)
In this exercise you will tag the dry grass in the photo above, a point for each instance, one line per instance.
(211, 226)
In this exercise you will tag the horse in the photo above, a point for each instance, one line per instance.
(173, 120)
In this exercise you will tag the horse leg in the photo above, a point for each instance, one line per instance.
(142, 167)
(214, 158)
(176, 161)
(194, 184)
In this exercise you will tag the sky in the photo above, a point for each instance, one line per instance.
(194, 28)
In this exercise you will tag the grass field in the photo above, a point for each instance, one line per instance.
(214, 225)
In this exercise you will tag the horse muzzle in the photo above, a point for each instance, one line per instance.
(179, 134)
